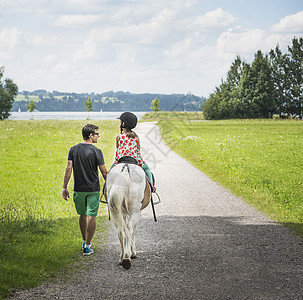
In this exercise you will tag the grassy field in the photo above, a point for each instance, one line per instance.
(21, 97)
(258, 160)
(39, 233)
(172, 115)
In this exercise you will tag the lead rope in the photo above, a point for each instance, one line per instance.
(104, 201)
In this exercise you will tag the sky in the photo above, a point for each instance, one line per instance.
(139, 46)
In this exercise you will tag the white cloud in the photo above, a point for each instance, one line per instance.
(41, 40)
(215, 19)
(240, 41)
(135, 45)
(158, 29)
(246, 42)
(126, 41)
(5, 56)
(179, 49)
(76, 20)
(23, 6)
(9, 37)
(61, 67)
(290, 24)
(88, 50)
(50, 58)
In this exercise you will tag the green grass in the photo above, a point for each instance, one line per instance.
(21, 97)
(39, 232)
(258, 160)
(172, 115)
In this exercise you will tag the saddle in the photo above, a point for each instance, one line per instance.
(148, 185)
(131, 160)
(147, 198)
(128, 160)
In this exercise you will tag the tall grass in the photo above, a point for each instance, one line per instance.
(259, 160)
(39, 232)
(172, 115)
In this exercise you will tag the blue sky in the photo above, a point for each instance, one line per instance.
(140, 46)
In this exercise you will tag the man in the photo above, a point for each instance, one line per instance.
(84, 160)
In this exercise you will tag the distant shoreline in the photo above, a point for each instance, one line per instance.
(69, 115)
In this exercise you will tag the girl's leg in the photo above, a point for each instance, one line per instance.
(147, 171)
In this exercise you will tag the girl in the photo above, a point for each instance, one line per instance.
(128, 144)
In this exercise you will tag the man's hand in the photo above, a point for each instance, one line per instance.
(65, 193)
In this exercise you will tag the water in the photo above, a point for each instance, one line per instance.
(69, 115)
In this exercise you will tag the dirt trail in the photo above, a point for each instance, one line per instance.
(207, 244)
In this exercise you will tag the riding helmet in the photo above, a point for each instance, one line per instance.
(129, 120)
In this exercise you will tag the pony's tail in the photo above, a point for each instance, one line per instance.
(125, 172)
(118, 202)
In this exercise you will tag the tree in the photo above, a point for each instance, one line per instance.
(88, 104)
(155, 105)
(258, 88)
(281, 79)
(234, 83)
(235, 72)
(31, 107)
(8, 90)
(225, 102)
(296, 75)
(211, 105)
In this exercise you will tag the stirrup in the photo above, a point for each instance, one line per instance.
(159, 200)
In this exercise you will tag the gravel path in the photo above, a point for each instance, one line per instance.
(207, 244)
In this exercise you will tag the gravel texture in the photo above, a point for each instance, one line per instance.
(207, 244)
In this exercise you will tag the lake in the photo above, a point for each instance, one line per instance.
(69, 115)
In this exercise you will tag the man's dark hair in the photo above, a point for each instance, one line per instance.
(87, 130)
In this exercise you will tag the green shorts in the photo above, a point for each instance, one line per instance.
(87, 203)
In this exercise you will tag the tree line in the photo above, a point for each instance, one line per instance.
(108, 101)
(271, 84)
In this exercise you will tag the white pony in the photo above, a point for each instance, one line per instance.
(127, 193)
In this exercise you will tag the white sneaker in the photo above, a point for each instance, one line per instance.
(87, 251)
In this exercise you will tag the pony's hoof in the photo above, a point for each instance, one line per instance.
(126, 263)
(133, 256)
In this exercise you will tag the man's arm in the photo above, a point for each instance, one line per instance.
(103, 171)
(67, 175)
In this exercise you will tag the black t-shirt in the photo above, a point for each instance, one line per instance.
(86, 158)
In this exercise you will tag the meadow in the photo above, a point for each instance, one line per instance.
(258, 160)
(172, 115)
(39, 232)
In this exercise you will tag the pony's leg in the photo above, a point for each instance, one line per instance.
(133, 245)
(120, 225)
(123, 235)
(126, 261)
(134, 222)
(120, 236)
